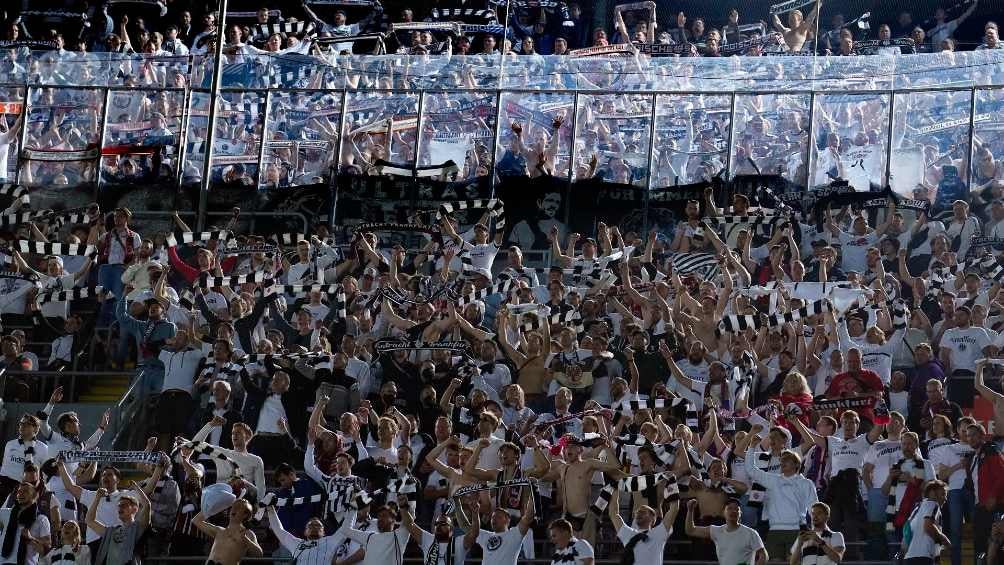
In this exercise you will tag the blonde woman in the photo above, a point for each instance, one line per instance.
(72, 551)
(795, 394)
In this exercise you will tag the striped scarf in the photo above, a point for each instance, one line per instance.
(638, 483)
(904, 491)
(758, 492)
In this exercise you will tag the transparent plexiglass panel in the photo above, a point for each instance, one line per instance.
(692, 135)
(851, 136)
(538, 149)
(614, 131)
(771, 136)
(301, 138)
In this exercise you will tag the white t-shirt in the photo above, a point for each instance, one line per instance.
(382, 548)
(14, 457)
(950, 455)
(108, 510)
(648, 552)
(56, 309)
(883, 455)
(500, 549)
(812, 555)
(923, 545)
(39, 529)
(482, 254)
(854, 250)
(489, 458)
(847, 454)
(966, 346)
(736, 546)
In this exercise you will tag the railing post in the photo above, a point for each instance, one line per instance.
(811, 145)
(264, 130)
(652, 136)
(972, 139)
(103, 130)
(214, 92)
(728, 143)
(887, 180)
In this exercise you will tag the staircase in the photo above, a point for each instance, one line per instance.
(106, 389)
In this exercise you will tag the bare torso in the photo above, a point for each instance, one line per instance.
(576, 483)
(229, 546)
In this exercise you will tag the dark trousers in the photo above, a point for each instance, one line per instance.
(983, 521)
(918, 561)
(847, 513)
(273, 449)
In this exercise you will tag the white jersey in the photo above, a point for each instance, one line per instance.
(847, 454)
(500, 549)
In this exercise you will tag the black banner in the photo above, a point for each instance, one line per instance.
(532, 208)
(402, 200)
(624, 206)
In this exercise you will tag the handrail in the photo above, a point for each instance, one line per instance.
(132, 397)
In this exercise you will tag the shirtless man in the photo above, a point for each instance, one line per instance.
(513, 499)
(574, 476)
(712, 496)
(455, 478)
(232, 543)
(992, 396)
(798, 29)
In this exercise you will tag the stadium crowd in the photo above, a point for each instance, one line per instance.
(807, 399)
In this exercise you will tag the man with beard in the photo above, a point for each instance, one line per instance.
(440, 547)
(341, 486)
(686, 239)
(25, 531)
(532, 233)
(501, 545)
(315, 548)
(818, 544)
(645, 543)
(151, 335)
(386, 545)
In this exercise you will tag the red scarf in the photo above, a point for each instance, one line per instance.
(106, 245)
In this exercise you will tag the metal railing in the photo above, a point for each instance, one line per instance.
(125, 413)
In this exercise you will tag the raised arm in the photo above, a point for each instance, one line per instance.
(614, 509)
(68, 483)
(92, 513)
(199, 521)
(981, 387)
(692, 530)
(288, 540)
(407, 519)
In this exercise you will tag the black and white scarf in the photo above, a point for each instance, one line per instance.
(638, 483)
(566, 556)
(758, 492)
(910, 470)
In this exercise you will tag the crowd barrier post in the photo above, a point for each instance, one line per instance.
(652, 140)
(888, 149)
(571, 154)
(264, 137)
(498, 128)
(102, 136)
(182, 153)
(214, 94)
(972, 139)
(418, 134)
(728, 145)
